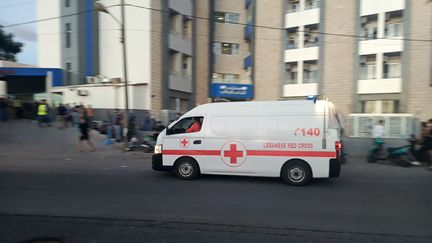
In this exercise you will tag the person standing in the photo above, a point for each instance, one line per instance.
(90, 114)
(42, 113)
(84, 134)
(118, 123)
(3, 109)
(61, 113)
(378, 130)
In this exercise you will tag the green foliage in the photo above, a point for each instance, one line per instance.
(8, 47)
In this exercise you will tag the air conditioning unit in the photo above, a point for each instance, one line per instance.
(288, 66)
(364, 20)
(83, 92)
(115, 80)
(387, 16)
(363, 59)
(92, 80)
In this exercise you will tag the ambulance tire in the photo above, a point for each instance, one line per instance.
(186, 168)
(296, 173)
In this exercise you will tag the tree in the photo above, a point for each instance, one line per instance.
(8, 47)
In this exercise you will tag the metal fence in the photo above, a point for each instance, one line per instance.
(395, 125)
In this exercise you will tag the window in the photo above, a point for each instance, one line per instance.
(186, 125)
(226, 48)
(223, 17)
(367, 67)
(392, 70)
(311, 4)
(226, 78)
(292, 38)
(68, 35)
(394, 30)
(380, 106)
(293, 6)
(68, 72)
(291, 73)
(67, 3)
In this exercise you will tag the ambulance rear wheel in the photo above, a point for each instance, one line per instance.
(186, 169)
(296, 173)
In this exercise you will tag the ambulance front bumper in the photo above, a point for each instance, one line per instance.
(157, 163)
(335, 168)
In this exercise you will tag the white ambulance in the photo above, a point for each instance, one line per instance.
(295, 140)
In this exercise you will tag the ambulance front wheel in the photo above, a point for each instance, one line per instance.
(186, 169)
(296, 173)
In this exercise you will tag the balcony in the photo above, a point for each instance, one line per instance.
(180, 81)
(300, 90)
(379, 86)
(248, 31)
(178, 42)
(247, 62)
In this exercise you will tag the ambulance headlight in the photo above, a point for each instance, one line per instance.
(158, 149)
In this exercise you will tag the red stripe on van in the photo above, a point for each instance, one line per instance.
(191, 152)
(291, 153)
(254, 153)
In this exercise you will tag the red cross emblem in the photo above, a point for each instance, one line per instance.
(233, 153)
(184, 142)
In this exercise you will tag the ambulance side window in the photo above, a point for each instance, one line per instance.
(186, 125)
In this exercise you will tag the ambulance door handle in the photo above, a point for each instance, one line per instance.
(197, 142)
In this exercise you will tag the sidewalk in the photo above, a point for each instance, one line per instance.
(24, 142)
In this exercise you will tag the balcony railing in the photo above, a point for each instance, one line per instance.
(370, 33)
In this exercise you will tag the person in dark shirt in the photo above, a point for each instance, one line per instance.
(84, 134)
(61, 113)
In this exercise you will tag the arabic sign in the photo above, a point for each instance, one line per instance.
(243, 91)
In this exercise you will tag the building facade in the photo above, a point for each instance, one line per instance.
(87, 45)
(367, 56)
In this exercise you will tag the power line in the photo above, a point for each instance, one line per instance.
(278, 28)
(52, 18)
(209, 19)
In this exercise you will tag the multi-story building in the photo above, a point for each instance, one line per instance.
(160, 44)
(232, 49)
(367, 56)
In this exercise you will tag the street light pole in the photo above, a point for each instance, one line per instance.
(101, 8)
(123, 40)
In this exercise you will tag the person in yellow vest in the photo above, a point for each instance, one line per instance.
(42, 113)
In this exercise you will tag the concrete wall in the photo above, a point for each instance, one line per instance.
(156, 60)
(339, 52)
(48, 37)
(201, 52)
(420, 60)
(104, 96)
(268, 50)
(138, 40)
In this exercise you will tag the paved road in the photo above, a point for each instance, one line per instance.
(48, 189)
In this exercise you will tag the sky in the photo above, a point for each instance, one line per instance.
(19, 11)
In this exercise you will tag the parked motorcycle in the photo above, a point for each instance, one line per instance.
(398, 155)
